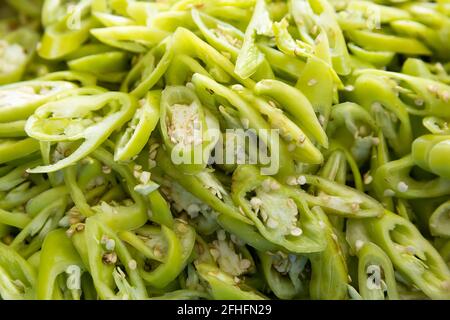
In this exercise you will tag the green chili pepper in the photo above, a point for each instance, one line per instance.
(58, 256)
(393, 178)
(411, 254)
(329, 275)
(149, 69)
(188, 129)
(17, 49)
(179, 243)
(207, 189)
(284, 274)
(297, 105)
(18, 278)
(136, 135)
(342, 106)
(62, 38)
(375, 274)
(51, 123)
(250, 58)
(388, 110)
(320, 13)
(124, 217)
(130, 38)
(20, 100)
(429, 152)
(338, 199)
(439, 221)
(248, 115)
(224, 287)
(278, 212)
(30, 238)
(379, 41)
(111, 265)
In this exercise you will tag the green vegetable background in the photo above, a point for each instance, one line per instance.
(97, 96)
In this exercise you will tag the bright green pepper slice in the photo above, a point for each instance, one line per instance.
(224, 287)
(139, 129)
(375, 274)
(278, 212)
(55, 122)
(17, 276)
(106, 251)
(58, 256)
(411, 254)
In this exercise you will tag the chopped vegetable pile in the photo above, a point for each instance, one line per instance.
(224, 149)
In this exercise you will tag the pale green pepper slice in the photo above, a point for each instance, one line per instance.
(411, 254)
(189, 130)
(55, 122)
(136, 135)
(278, 212)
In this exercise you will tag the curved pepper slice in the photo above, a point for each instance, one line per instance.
(59, 39)
(149, 69)
(284, 274)
(224, 287)
(321, 14)
(375, 274)
(411, 254)
(24, 192)
(419, 68)
(440, 221)
(278, 212)
(419, 95)
(130, 38)
(208, 189)
(122, 217)
(430, 153)
(295, 103)
(55, 121)
(17, 49)
(247, 114)
(229, 41)
(179, 243)
(189, 130)
(83, 78)
(20, 100)
(393, 178)
(377, 58)
(58, 256)
(250, 58)
(382, 42)
(109, 264)
(304, 149)
(107, 66)
(329, 273)
(38, 228)
(14, 219)
(380, 97)
(187, 43)
(13, 129)
(221, 35)
(341, 200)
(13, 149)
(56, 10)
(354, 128)
(139, 129)
(17, 276)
